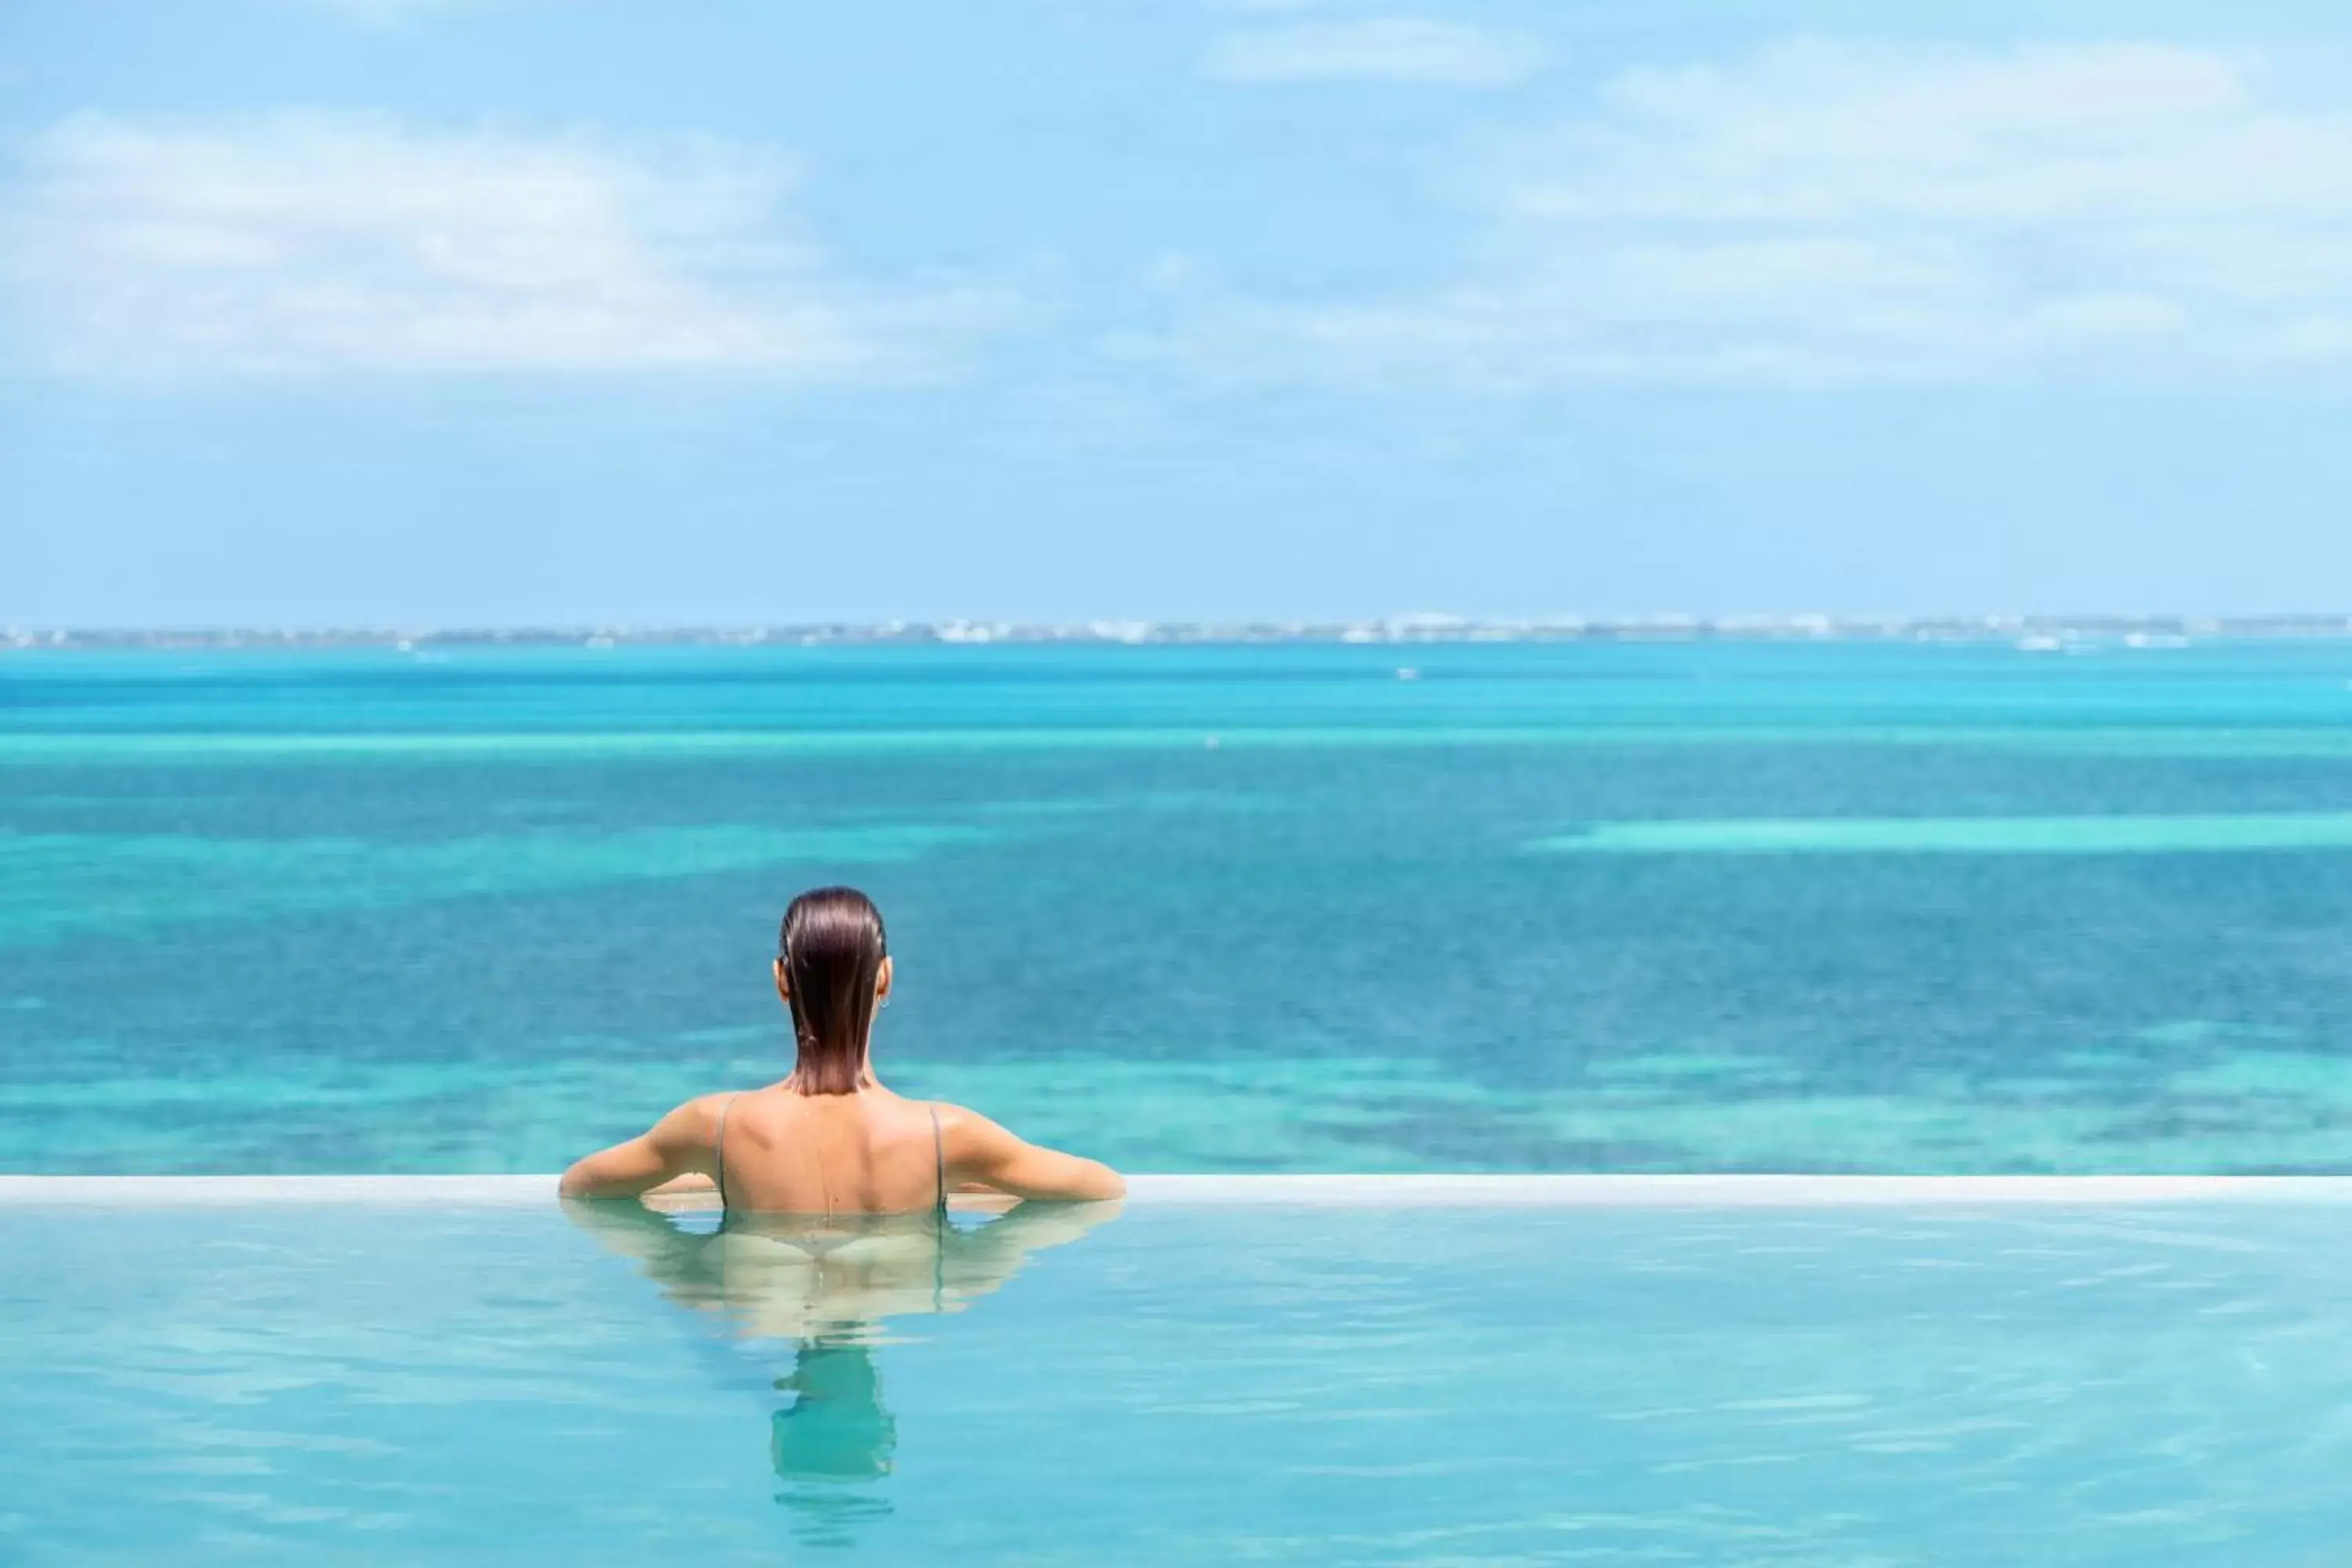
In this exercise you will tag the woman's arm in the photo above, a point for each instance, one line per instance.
(677, 1145)
(978, 1150)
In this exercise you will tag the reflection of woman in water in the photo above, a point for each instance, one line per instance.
(829, 1139)
(831, 1286)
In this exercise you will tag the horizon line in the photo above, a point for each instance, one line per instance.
(2030, 629)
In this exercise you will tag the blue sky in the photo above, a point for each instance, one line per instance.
(429, 312)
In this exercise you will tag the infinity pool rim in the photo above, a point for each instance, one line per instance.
(1582, 1191)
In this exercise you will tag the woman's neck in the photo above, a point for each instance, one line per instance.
(798, 1084)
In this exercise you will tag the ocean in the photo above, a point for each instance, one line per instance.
(1708, 906)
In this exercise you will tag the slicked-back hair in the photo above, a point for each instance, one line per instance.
(832, 947)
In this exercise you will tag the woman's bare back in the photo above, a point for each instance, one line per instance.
(830, 1139)
(870, 1152)
(780, 1150)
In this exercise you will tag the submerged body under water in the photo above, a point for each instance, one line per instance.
(827, 1288)
(1560, 907)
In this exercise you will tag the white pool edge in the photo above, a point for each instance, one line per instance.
(1760, 1191)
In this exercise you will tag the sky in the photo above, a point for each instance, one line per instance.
(460, 313)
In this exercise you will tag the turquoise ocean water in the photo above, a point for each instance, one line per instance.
(1583, 906)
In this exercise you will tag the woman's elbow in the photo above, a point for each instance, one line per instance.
(593, 1176)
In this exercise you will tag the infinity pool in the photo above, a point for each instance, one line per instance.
(1185, 1382)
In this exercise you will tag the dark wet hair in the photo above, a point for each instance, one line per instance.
(831, 949)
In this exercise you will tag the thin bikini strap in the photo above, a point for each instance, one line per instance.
(719, 1151)
(940, 1159)
(939, 1219)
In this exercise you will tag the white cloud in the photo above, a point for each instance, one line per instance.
(1825, 214)
(313, 243)
(1379, 48)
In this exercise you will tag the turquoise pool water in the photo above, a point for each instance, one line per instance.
(1576, 907)
(313, 1384)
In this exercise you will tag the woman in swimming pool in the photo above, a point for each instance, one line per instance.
(830, 1139)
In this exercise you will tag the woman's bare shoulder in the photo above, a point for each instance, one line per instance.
(964, 1119)
(967, 1137)
(706, 1112)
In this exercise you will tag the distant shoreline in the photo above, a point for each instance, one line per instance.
(2034, 632)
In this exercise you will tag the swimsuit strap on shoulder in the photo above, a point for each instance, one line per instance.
(719, 1151)
(939, 1218)
(940, 1159)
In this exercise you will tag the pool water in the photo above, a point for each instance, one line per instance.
(1180, 1384)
